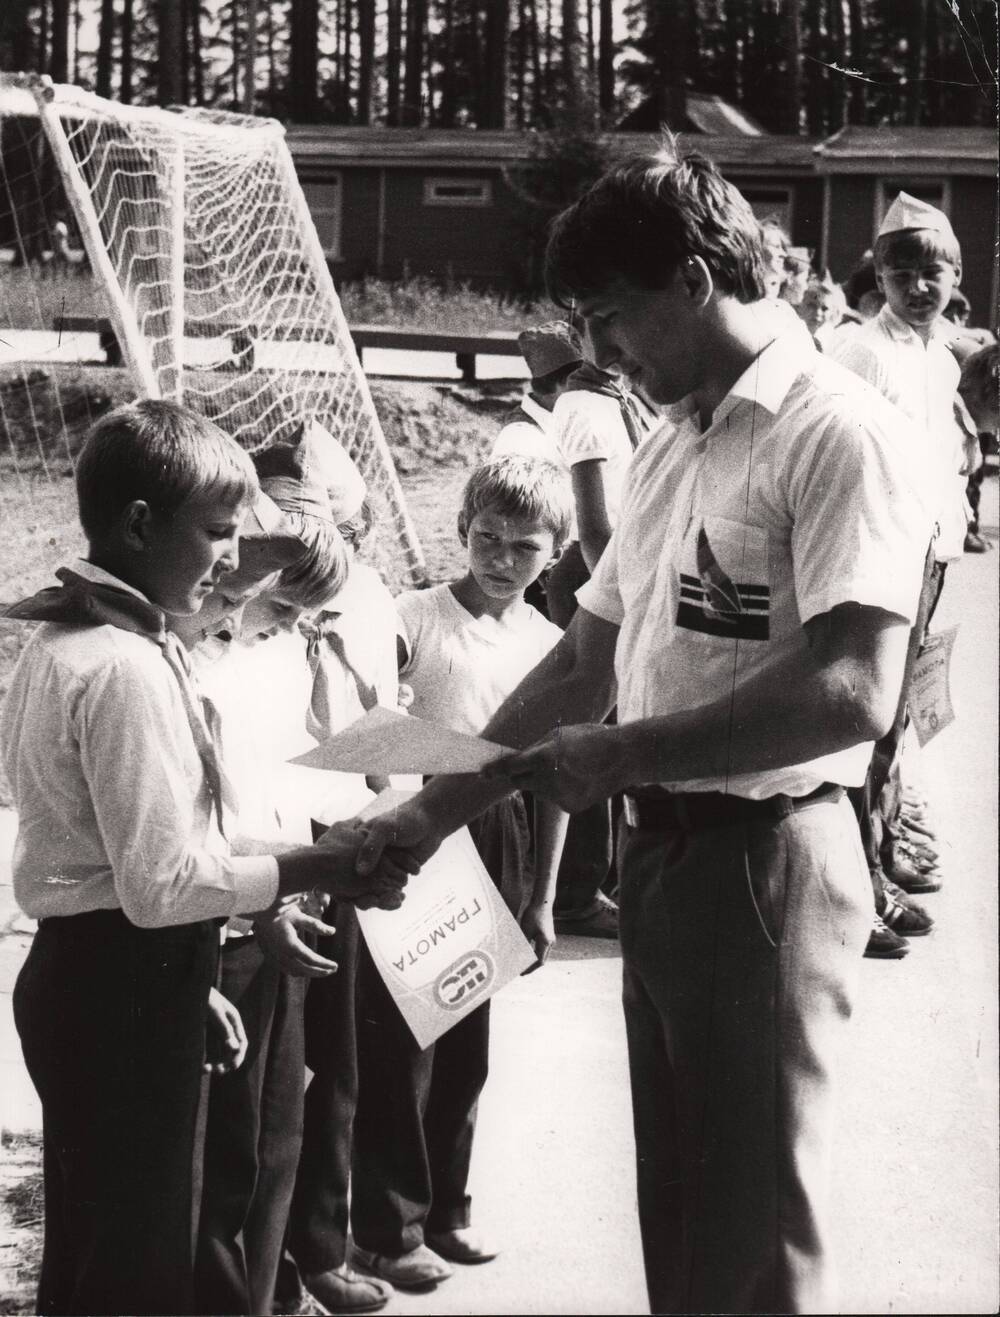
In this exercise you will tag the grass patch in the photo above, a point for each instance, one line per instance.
(30, 301)
(22, 1208)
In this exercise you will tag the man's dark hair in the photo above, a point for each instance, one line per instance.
(643, 219)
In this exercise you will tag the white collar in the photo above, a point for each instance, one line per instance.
(539, 414)
(98, 576)
(897, 328)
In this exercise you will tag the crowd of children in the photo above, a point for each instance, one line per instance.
(198, 948)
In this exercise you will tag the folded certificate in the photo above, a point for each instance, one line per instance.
(384, 741)
(452, 944)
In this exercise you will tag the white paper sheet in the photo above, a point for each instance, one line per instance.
(383, 741)
(452, 944)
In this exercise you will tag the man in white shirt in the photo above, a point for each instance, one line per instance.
(754, 605)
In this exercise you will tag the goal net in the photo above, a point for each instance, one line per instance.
(215, 283)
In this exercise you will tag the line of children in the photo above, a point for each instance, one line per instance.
(124, 814)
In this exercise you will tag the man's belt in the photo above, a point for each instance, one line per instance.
(689, 811)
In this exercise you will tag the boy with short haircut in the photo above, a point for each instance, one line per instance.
(123, 809)
(463, 647)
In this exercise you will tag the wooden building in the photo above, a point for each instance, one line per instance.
(445, 203)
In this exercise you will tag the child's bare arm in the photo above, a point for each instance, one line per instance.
(537, 921)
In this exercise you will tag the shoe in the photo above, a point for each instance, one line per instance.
(904, 916)
(918, 827)
(915, 881)
(974, 543)
(464, 1245)
(600, 921)
(303, 1305)
(343, 1290)
(917, 856)
(884, 944)
(420, 1269)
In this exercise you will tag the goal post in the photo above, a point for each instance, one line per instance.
(216, 283)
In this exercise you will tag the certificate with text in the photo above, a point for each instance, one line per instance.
(452, 944)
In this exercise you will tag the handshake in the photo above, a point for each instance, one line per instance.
(366, 862)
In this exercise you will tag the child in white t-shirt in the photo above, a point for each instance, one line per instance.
(463, 648)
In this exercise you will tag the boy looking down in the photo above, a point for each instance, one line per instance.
(123, 812)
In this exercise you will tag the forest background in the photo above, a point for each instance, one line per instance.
(794, 66)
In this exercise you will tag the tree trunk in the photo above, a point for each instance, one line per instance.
(348, 65)
(856, 106)
(303, 98)
(59, 56)
(105, 49)
(669, 38)
(792, 33)
(520, 62)
(606, 59)
(366, 64)
(917, 61)
(197, 62)
(250, 59)
(128, 53)
(413, 72)
(169, 42)
(572, 54)
(394, 43)
(497, 29)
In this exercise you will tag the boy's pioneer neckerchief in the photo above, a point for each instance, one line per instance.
(82, 602)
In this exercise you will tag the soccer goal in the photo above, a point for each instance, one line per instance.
(214, 281)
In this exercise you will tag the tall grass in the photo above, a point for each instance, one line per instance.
(421, 303)
(31, 300)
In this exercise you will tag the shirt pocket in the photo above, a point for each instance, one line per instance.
(724, 586)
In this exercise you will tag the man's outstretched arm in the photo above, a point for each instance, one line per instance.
(574, 683)
(841, 690)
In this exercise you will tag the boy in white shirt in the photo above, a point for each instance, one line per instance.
(123, 809)
(463, 647)
(904, 353)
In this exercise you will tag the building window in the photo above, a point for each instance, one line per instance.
(771, 203)
(458, 192)
(936, 192)
(325, 201)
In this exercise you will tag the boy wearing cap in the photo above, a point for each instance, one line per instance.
(594, 428)
(904, 353)
(262, 684)
(352, 658)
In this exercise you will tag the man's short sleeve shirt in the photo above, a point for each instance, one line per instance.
(798, 497)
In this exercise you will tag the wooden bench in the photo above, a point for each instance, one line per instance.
(466, 347)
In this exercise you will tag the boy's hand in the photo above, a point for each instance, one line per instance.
(226, 1039)
(347, 881)
(573, 766)
(403, 836)
(538, 926)
(283, 939)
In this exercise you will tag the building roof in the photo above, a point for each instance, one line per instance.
(912, 150)
(330, 146)
(704, 113)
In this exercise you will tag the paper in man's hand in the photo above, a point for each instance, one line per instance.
(384, 741)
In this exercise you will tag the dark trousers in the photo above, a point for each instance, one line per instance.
(416, 1114)
(318, 1224)
(588, 853)
(741, 947)
(112, 1024)
(878, 802)
(252, 1139)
